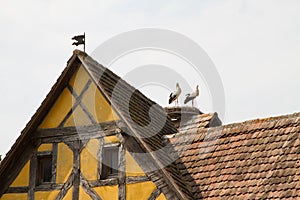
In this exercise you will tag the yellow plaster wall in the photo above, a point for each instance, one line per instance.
(45, 147)
(57, 113)
(83, 195)
(46, 195)
(132, 168)
(17, 196)
(64, 163)
(161, 197)
(78, 118)
(111, 139)
(23, 177)
(88, 160)
(93, 100)
(69, 194)
(79, 80)
(98, 105)
(107, 192)
(139, 190)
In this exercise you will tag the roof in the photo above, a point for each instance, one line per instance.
(253, 159)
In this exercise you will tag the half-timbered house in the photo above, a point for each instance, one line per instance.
(96, 137)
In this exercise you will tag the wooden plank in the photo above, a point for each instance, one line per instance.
(136, 179)
(70, 144)
(77, 101)
(115, 144)
(99, 157)
(49, 187)
(86, 111)
(84, 142)
(44, 153)
(70, 112)
(105, 182)
(65, 188)
(69, 138)
(32, 175)
(122, 173)
(154, 194)
(88, 189)
(76, 168)
(17, 190)
(54, 161)
(56, 135)
(79, 98)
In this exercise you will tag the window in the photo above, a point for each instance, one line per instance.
(44, 174)
(110, 162)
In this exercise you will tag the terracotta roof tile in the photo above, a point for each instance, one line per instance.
(251, 160)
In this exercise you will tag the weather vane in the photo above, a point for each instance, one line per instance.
(80, 39)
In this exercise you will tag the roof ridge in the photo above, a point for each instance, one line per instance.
(247, 126)
(266, 119)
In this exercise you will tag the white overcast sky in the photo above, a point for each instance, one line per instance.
(254, 44)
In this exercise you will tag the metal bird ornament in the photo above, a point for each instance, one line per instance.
(174, 95)
(191, 96)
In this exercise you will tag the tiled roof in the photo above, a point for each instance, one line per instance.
(257, 159)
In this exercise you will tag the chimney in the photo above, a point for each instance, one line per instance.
(180, 115)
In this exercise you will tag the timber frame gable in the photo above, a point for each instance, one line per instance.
(126, 128)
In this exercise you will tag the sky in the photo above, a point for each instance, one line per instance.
(254, 45)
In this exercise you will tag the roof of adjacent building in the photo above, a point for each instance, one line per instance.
(253, 159)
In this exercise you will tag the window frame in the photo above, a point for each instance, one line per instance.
(42, 159)
(108, 172)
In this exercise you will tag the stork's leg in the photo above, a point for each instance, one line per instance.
(193, 103)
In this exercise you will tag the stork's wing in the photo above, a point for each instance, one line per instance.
(187, 99)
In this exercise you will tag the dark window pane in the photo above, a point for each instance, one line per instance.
(114, 161)
(44, 169)
(47, 165)
(110, 162)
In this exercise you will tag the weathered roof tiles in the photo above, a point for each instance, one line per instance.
(253, 159)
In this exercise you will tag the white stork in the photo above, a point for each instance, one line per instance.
(192, 96)
(174, 95)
